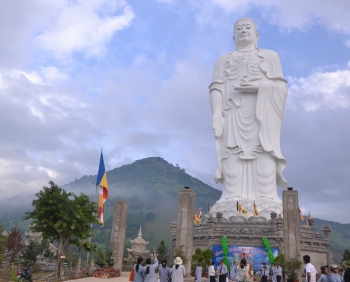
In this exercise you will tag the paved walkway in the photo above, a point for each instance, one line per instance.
(124, 277)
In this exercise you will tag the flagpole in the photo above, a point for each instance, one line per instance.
(91, 227)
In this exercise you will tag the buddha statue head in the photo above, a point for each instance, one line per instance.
(245, 34)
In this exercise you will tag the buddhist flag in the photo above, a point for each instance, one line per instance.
(209, 209)
(301, 215)
(102, 183)
(256, 213)
(196, 219)
(239, 207)
(307, 219)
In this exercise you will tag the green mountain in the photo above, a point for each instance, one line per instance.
(151, 186)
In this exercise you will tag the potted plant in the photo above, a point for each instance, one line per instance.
(202, 258)
(291, 268)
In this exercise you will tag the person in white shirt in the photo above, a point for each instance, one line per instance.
(262, 265)
(258, 275)
(273, 270)
(310, 270)
(212, 272)
(278, 272)
(264, 274)
(178, 271)
(242, 271)
(222, 272)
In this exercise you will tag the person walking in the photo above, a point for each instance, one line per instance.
(164, 272)
(138, 271)
(324, 274)
(198, 273)
(211, 272)
(242, 271)
(310, 270)
(178, 271)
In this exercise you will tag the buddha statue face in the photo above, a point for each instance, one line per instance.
(245, 33)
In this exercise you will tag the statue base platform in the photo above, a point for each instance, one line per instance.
(245, 231)
(264, 207)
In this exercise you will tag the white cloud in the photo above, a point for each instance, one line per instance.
(321, 89)
(165, 1)
(51, 173)
(51, 74)
(32, 76)
(289, 14)
(85, 26)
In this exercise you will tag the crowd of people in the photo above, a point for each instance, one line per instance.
(147, 273)
(328, 274)
(240, 271)
(331, 273)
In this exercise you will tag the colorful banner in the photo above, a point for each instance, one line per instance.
(254, 255)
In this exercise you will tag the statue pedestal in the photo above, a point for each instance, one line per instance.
(264, 207)
(247, 231)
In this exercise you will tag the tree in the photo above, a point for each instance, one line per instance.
(3, 239)
(91, 248)
(101, 262)
(34, 249)
(81, 245)
(62, 216)
(109, 259)
(346, 255)
(179, 252)
(291, 268)
(162, 251)
(201, 258)
(14, 244)
(30, 253)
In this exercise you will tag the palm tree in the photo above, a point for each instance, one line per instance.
(93, 250)
(81, 245)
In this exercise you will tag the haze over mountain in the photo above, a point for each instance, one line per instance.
(151, 186)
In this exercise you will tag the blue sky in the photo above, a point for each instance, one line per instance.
(132, 77)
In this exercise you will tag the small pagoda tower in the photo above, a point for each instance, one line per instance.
(139, 247)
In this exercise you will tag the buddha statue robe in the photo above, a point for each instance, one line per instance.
(250, 162)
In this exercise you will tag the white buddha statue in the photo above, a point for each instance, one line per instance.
(247, 96)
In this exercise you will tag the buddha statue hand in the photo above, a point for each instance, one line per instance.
(218, 124)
